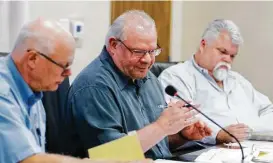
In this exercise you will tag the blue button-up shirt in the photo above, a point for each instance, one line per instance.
(22, 116)
(104, 104)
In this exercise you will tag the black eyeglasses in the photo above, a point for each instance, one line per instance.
(65, 68)
(154, 52)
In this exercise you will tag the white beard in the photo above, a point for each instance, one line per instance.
(221, 73)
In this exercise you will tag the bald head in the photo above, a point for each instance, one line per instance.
(132, 21)
(138, 22)
(130, 38)
(43, 35)
(43, 54)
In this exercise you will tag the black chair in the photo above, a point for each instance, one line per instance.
(158, 67)
(54, 103)
(2, 54)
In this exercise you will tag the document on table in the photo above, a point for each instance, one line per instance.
(264, 157)
(260, 145)
(127, 148)
(264, 148)
(168, 161)
(224, 155)
(262, 135)
(172, 161)
(256, 151)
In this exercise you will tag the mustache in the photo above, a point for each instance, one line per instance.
(220, 64)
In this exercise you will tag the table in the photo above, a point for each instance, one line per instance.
(191, 156)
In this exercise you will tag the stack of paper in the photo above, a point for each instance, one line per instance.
(265, 151)
(168, 161)
(265, 157)
(262, 135)
(260, 145)
(224, 155)
(258, 151)
(127, 148)
(171, 161)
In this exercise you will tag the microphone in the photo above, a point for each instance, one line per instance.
(170, 90)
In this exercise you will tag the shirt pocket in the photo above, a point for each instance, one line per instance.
(157, 110)
(213, 102)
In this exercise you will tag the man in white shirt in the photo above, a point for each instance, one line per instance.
(224, 95)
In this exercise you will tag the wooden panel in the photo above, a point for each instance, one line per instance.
(160, 11)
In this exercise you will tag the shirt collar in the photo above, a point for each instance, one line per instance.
(228, 82)
(121, 79)
(28, 96)
(202, 70)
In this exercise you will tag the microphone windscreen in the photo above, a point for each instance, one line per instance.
(170, 90)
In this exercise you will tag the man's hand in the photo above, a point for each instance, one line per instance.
(175, 118)
(240, 131)
(196, 131)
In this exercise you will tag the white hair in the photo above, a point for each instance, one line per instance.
(43, 36)
(136, 18)
(218, 25)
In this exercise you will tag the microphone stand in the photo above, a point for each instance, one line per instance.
(170, 90)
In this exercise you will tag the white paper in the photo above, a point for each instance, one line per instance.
(168, 161)
(225, 155)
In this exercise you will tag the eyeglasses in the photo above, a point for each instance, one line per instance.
(65, 68)
(137, 52)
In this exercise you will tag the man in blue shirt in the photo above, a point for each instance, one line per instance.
(39, 62)
(116, 94)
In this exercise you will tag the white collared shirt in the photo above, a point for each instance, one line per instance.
(236, 102)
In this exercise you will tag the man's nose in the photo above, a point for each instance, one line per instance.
(147, 58)
(67, 72)
(228, 59)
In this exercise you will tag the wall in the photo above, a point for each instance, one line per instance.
(96, 17)
(4, 26)
(255, 20)
(176, 31)
(18, 16)
(188, 22)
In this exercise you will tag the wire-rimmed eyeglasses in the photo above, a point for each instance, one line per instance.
(154, 52)
(65, 68)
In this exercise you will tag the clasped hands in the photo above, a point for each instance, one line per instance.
(178, 118)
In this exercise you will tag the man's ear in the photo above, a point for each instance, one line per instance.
(32, 59)
(203, 44)
(112, 46)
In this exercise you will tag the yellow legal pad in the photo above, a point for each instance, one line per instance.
(127, 148)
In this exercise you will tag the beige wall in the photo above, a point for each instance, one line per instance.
(4, 26)
(188, 22)
(96, 18)
(256, 22)
(176, 31)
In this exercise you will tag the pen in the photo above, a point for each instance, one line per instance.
(165, 106)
